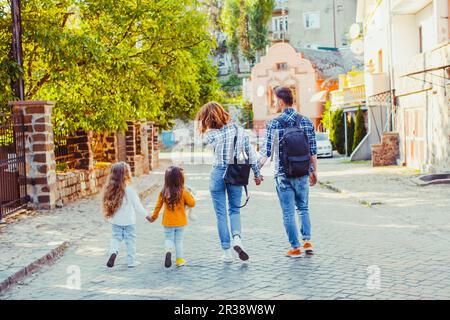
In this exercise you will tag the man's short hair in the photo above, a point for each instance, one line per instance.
(285, 94)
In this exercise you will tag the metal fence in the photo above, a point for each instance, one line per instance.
(13, 180)
(63, 155)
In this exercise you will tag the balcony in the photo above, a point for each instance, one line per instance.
(350, 96)
(278, 36)
(377, 83)
(409, 6)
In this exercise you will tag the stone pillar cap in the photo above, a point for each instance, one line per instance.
(31, 103)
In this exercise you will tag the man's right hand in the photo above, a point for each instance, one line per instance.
(313, 178)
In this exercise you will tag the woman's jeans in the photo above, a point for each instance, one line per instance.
(219, 191)
(127, 234)
(174, 240)
(293, 193)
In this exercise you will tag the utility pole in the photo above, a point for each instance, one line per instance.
(16, 48)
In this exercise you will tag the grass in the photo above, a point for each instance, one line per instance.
(346, 161)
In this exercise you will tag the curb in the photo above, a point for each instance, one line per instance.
(363, 202)
(34, 266)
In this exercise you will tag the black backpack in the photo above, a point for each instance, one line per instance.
(296, 153)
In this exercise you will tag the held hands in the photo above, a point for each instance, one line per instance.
(150, 219)
(313, 178)
(258, 180)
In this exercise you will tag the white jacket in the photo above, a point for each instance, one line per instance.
(126, 214)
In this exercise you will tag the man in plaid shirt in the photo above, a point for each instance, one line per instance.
(292, 192)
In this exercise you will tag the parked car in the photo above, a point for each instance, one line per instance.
(324, 148)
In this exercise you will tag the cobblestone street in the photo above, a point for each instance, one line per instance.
(362, 252)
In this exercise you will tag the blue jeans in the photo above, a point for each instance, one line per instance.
(293, 193)
(174, 240)
(127, 234)
(219, 191)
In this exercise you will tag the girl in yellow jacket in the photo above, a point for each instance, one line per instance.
(174, 197)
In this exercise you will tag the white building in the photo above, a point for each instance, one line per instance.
(305, 23)
(407, 59)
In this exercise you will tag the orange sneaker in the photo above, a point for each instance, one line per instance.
(294, 253)
(308, 246)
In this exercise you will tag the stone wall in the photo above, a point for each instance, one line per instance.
(46, 188)
(80, 183)
(386, 153)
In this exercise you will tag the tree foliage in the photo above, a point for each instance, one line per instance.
(350, 135)
(360, 128)
(338, 132)
(246, 26)
(106, 61)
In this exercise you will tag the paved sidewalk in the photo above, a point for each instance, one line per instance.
(390, 189)
(361, 253)
(35, 240)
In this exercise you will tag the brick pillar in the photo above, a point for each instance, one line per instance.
(387, 152)
(144, 147)
(150, 144)
(80, 145)
(39, 152)
(130, 140)
(155, 151)
(112, 149)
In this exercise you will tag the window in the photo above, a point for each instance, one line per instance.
(280, 24)
(311, 20)
(282, 66)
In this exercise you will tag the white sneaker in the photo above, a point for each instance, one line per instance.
(227, 256)
(134, 264)
(237, 246)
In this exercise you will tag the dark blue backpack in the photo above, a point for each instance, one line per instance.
(296, 154)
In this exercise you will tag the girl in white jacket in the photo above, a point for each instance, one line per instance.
(120, 204)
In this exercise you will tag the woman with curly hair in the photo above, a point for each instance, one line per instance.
(219, 132)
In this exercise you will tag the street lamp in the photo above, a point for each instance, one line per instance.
(16, 48)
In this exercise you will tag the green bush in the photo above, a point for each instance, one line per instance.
(360, 128)
(350, 135)
(338, 133)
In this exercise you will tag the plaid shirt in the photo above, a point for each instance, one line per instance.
(275, 129)
(222, 142)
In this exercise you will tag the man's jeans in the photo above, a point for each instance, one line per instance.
(219, 191)
(174, 240)
(127, 234)
(293, 193)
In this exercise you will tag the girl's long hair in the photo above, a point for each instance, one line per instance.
(172, 191)
(115, 188)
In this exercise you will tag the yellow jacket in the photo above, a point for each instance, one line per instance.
(176, 217)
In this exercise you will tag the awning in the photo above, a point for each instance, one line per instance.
(320, 96)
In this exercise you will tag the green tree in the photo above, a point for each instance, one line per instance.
(246, 26)
(106, 61)
(230, 19)
(360, 128)
(259, 17)
(327, 117)
(350, 135)
(338, 134)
